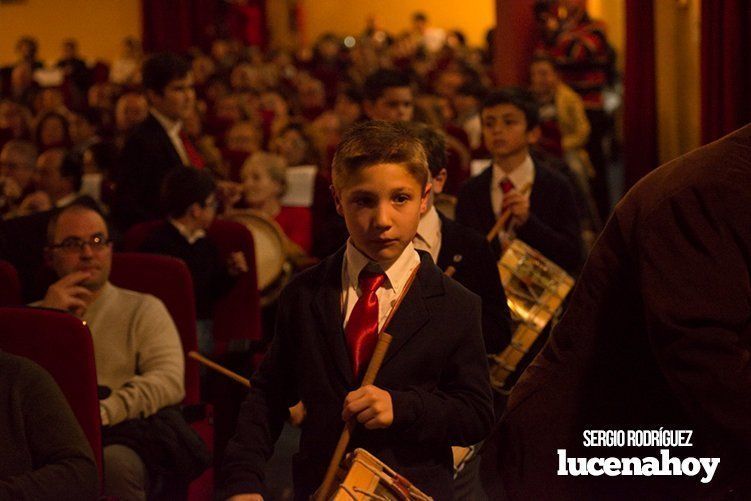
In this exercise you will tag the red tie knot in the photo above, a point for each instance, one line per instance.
(506, 185)
(370, 281)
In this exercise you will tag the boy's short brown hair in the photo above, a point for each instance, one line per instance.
(379, 142)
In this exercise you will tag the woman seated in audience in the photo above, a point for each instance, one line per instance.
(52, 131)
(264, 181)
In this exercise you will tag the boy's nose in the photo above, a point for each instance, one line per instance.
(382, 218)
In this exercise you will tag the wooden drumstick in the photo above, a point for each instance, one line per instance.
(384, 340)
(500, 223)
(213, 365)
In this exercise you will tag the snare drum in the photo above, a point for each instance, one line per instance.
(273, 268)
(535, 289)
(368, 479)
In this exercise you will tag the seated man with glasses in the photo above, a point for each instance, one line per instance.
(139, 358)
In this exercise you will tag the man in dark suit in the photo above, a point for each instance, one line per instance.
(158, 144)
(657, 334)
(547, 219)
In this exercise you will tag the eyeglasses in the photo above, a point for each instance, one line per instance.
(73, 245)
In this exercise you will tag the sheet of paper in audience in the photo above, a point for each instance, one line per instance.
(300, 184)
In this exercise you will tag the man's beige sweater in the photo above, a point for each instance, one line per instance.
(138, 353)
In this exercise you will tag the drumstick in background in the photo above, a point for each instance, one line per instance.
(504, 217)
(213, 365)
(384, 340)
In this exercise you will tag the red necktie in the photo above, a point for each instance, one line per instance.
(361, 331)
(506, 185)
(195, 158)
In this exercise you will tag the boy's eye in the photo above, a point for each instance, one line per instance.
(402, 198)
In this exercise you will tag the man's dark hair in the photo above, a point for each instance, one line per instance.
(72, 169)
(183, 187)
(82, 203)
(434, 143)
(473, 88)
(517, 97)
(379, 142)
(377, 83)
(162, 68)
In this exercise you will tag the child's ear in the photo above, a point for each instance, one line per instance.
(194, 210)
(425, 198)
(337, 200)
(533, 136)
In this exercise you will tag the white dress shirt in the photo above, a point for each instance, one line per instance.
(428, 236)
(521, 176)
(172, 128)
(397, 274)
(191, 237)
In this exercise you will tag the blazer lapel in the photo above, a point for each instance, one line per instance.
(413, 313)
(483, 197)
(328, 310)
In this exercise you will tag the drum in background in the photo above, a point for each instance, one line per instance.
(365, 478)
(535, 289)
(272, 265)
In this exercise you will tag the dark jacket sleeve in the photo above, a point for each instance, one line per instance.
(64, 463)
(467, 211)
(496, 318)
(262, 415)
(559, 239)
(693, 261)
(459, 411)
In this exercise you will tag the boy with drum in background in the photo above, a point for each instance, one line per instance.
(432, 390)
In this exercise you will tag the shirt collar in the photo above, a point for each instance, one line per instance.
(185, 232)
(171, 126)
(429, 229)
(521, 176)
(397, 273)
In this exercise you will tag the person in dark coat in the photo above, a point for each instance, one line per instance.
(656, 336)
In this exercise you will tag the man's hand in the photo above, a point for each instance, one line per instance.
(518, 204)
(236, 263)
(66, 294)
(246, 497)
(371, 406)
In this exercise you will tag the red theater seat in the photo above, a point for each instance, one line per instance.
(10, 285)
(61, 344)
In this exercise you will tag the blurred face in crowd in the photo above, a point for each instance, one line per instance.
(312, 94)
(176, 100)
(228, 108)
(259, 186)
(203, 68)
(347, 110)
(381, 205)
(11, 117)
(47, 177)
(95, 258)
(80, 129)
(543, 78)
(17, 166)
(132, 109)
(504, 130)
(243, 137)
(448, 83)
(293, 146)
(52, 132)
(395, 104)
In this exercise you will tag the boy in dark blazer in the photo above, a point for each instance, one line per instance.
(158, 144)
(547, 219)
(432, 390)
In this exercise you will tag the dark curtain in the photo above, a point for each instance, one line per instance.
(177, 25)
(639, 100)
(725, 68)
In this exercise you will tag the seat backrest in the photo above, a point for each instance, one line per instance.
(60, 343)
(169, 280)
(10, 285)
(237, 314)
(138, 233)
